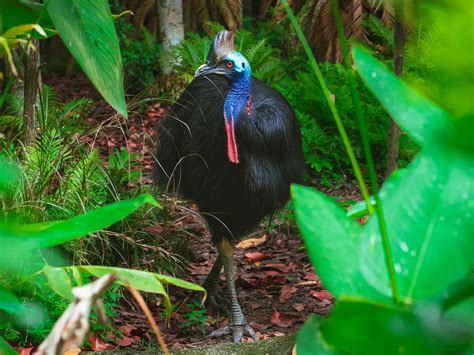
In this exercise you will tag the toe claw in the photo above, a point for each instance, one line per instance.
(220, 332)
(237, 331)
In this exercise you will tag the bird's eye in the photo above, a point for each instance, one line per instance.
(229, 64)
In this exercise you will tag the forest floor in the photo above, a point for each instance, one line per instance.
(276, 284)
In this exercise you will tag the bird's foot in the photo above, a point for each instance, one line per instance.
(237, 331)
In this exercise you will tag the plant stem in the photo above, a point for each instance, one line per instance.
(332, 107)
(367, 151)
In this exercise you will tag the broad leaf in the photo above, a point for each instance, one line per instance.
(332, 241)
(393, 330)
(45, 235)
(309, 339)
(87, 29)
(141, 280)
(17, 12)
(421, 118)
(59, 281)
(9, 302)
(5, 348)
(430, 220)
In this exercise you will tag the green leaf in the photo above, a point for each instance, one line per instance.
(87, 29)
(395, 330)
(309, 339)
(45, 235)
(9, 174)
(421, 118)
(430, 220)
(332, 241)
(141, 280)
(59, 281)
(17, 12)
(9, 302)
(5, 348)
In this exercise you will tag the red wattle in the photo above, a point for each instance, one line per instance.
(231, 144)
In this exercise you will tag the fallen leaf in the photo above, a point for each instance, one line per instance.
(125, 341)
(299, 307)
(280, 267)
(251, 242)
(286, 292)
(281, 320)
(126, 329)
(72, 352)
(321, 295)
(311, 276)
(271, 273)
(98, 344)
(256, 256)
(24, 351)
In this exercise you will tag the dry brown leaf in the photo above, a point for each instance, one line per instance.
(321, 295)
(281, 319)
(257, 256)
(251, 242)
(286, 292)
(72, 352)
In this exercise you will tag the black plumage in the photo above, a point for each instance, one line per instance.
(192, 155)
(232, 144)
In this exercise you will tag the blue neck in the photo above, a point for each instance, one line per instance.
(238, 95)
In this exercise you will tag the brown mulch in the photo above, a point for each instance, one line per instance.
(276, 284)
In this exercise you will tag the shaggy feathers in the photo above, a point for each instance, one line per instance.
(192, 155)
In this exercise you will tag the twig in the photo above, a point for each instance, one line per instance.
(141, 302)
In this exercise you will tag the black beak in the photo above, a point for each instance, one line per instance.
(205, 69)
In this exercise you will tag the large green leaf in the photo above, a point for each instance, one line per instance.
(421, 118)
(23, 238)
(87, 29)
(9, 174)
(393, 330)
(141, 280)
(309, 339)
(332, 241)
(5, 348)
(17, 12)
(59, 281)
(8, 301)
(430, 220)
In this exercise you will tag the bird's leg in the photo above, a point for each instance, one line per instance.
(210, 284)
(237, 324)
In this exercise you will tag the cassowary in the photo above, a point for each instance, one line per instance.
(231, 144)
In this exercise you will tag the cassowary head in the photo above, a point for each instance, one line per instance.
(223, 59)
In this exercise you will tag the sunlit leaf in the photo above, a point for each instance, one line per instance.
(332, 241)
(44, 235)
(87, 29)
(392, 329)
(59, 281)
(421, 118)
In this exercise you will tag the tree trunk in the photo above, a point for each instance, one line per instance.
(394, 130)
(170, 14)
(31, 79)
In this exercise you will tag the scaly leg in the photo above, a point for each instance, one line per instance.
(237, 324)
(210, 284)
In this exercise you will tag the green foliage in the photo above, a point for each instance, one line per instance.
(195, 318)
(31, 239)
(87, 29)
(140, 56)
(322, 147)
(427, 211)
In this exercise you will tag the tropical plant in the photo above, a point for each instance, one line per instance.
(382, 273)
(30, 240)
